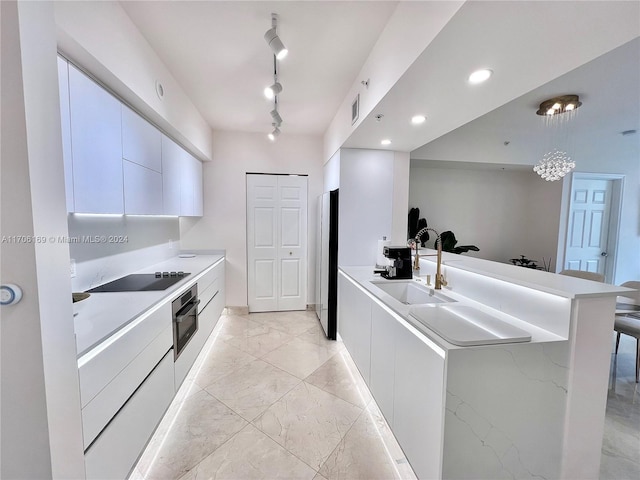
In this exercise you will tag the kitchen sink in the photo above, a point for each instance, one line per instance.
(466, 326)
(410, 292)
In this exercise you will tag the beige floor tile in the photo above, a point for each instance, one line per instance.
(316, 335)
(252, 388)
(300, 357)
(293, 323)
(368, 452)
(222, 360)
(308, 422)
(230, 325)
(258, 341)
(340, 376)
(250, 455)
(202, 425)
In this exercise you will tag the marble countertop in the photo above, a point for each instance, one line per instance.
(364, 276)
(103, 314)
(561, 285)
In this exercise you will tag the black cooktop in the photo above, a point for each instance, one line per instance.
(142, 282)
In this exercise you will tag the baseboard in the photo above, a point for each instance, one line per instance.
(238, 310)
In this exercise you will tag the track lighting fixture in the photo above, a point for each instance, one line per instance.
(273, 40)
(277, 119)
(273, 135)
(273, 90)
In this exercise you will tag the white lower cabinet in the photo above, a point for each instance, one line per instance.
(101, 409)
(404, 373)
(383, 352)
(354, 324)
(115, 451)
(418, 403)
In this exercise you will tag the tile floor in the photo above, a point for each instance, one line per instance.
(270, 397)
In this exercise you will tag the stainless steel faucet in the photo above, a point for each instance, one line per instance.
(440, 281)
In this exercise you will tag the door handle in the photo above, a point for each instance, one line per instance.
(604, 254)
(186, 311)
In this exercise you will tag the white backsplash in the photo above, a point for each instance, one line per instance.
(109, 247)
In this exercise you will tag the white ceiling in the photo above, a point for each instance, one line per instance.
(526, 43)
(609, 88)
(217, 52)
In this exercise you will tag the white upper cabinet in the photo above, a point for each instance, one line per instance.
(142, 190)
(182, 181)
(96, 142)
(65, 118)
(173, 159)
(141, 141)
(191, 204)
(117, 162)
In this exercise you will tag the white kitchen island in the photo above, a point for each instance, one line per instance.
(511, 410)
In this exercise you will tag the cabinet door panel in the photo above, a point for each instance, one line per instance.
(96, 139)
(173, 160)
(418, 403)
(383, 351)
(141, 141)
(198, 193)
(354, 324)
(115, 451)
(142, 190)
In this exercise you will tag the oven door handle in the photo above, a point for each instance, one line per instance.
(181, 316)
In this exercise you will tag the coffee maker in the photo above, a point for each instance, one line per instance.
(399, 267)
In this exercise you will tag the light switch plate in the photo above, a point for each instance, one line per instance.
(73, 268)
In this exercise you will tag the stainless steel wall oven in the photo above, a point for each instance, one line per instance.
(185, 319)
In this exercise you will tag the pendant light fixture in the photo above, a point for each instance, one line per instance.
(558, 114)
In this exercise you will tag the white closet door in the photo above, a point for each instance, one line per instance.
(292, 243)
(276, 242)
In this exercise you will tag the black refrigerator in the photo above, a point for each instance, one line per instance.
(327, 264)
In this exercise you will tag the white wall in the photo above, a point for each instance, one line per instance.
(100, 37)
(224, 224)
(410, 29)
(40, 416)
(504, 213)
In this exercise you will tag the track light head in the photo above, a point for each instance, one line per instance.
(273, 90)
(273, 135)
(277, 119)
(273, 40)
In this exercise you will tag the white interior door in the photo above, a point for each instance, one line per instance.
(588, 232)
(276, 242)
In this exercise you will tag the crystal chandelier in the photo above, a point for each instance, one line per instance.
(558, 114)
(554, 165)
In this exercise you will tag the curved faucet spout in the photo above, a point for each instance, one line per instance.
(440, 281)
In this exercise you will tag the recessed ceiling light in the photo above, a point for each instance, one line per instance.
(480, 76)
(418, 119)
(386, 141)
